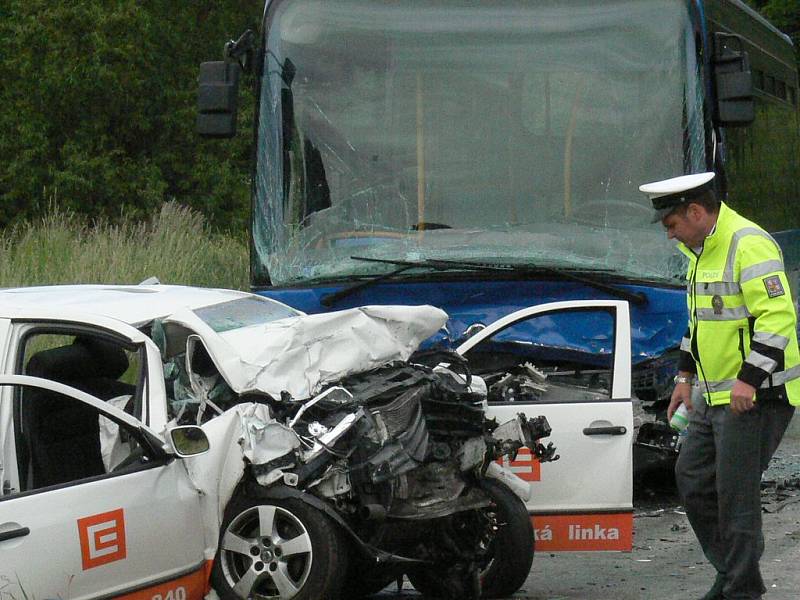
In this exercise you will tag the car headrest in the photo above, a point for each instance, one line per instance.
(85, 358)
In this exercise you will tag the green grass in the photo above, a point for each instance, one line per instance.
(175, 245)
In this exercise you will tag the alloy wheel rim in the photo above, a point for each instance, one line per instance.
(266, 553)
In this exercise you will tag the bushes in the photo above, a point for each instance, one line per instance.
(175, 245)
(98, 101)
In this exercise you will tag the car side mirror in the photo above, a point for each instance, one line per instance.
(188, 440)
(735, 106)
(218, 99)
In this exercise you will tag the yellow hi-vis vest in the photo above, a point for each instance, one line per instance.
(742, 319)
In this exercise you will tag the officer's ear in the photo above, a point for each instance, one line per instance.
(695, 212)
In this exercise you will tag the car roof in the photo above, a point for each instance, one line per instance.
(132, 304)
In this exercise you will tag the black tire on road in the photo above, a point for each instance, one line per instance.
(511, 551)
(509, 556)
(278, 549)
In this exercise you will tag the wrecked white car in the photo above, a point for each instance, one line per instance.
(160, 441)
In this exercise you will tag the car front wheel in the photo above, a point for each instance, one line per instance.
(506, 532)
(270, 549)
(508, 562)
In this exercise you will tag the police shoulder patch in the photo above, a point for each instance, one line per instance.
(774, 286)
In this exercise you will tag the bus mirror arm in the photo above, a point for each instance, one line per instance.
(241, 50)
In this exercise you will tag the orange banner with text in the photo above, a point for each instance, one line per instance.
(560, 533)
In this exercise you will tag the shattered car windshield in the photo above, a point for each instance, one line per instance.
(511, 131)
(243, 312)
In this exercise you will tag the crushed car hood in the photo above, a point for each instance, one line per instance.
(299, 355)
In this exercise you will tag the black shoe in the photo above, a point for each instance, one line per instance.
(715, 593)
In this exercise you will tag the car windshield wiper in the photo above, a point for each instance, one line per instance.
(329, 300)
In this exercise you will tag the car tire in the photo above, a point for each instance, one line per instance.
(511, 551)
(509, 556)
(252, 559)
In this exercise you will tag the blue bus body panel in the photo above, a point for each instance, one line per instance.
(656, 327)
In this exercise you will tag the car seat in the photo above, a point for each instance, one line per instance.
(63, 434)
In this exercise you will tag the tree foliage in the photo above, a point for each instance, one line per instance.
(784, 14)
(97, 108)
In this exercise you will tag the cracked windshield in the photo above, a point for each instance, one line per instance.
(450, 131)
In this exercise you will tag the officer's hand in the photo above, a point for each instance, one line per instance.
(742, 396)
(682, 394)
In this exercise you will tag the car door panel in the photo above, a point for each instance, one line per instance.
(588, 475)
(583, 501)
(111, 534)
(102, 537)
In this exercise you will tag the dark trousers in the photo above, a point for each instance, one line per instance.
(719, 478)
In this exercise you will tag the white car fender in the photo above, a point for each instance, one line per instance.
(503, 474)
(243, 432)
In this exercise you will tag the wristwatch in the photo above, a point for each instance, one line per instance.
(682, 379)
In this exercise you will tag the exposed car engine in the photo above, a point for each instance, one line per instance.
(400, 457)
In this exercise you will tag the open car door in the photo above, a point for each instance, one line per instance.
(129, 529)
(535, 361)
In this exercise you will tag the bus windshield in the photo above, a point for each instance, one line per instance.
(510, 132)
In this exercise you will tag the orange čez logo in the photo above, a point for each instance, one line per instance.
(102, 538)
(525, 466)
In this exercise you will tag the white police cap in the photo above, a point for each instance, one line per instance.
(667, 195)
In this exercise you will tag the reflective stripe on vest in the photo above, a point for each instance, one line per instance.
(778, 379)
(773, 340)
(717, 288)
(765, 363)
(760, 269)
(737, 237)
(724, 314)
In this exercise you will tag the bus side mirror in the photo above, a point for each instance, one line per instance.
(217, 99)
(735, 105)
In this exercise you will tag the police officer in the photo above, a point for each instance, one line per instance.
(741, 351)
